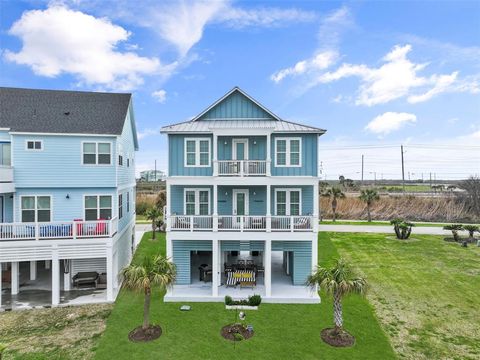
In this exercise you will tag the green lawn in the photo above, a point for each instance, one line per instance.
(375, 223)
(281, 331)
(426, 292)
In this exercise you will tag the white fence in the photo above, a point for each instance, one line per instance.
(58, 230)
(242, 167)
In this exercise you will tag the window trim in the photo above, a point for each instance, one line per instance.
(98, 205)
(34, 141)
(96, 152)
(36, 209)
(128, 201)
(197, 201)
(197, 151)
(288, 139)
(287, 203)
(120, 206)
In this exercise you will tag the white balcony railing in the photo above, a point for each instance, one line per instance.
(241, 223)
(58, 230)
(6, 173)
(242, 168)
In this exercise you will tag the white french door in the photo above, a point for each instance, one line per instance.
(240, 149)
(240, 204)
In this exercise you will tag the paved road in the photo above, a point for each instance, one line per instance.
(424, 230)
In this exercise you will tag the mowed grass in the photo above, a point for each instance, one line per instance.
(426, 291)
(376, 223)
(281, 331)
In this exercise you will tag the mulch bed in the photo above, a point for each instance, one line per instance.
(228, 331)
(140, 335)
(337, 339)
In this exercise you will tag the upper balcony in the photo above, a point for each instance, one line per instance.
(241, 168)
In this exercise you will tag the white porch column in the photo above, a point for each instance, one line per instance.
(15, 278)
(268, 268)
(115, 270)
(316, 207)
(314, 252)
(169, 247)
(269, 210)
(33, 270)
(0, 285)
(55, 278)
(215, 267)
(110, 273)
(215, 207)
(215, 155)
(67, 281)
(169, 206)
(269, 156)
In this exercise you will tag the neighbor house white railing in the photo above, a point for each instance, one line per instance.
(241, 223)
(241, 168)
(58, 230)
(6, 173)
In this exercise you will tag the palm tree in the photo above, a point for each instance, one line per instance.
(454, 228)
(334, 193)
(472, 229)
(369, 196)
(402, 228)
(150, 272)
(338, 281)
(154, 214)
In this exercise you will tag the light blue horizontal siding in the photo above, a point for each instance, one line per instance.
(307, 198)
(257, 147)
(177, 199)
(257, 202)
(236, 106)
(181, 257)
(302, 258)
(128, 214)
(242, 245)
(176, 157)
(59, 164)
(309, 157)
(64, 209)
(126, 174)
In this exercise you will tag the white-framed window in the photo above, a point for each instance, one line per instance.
(288, 152)
(97, 207)
(34, 145)
(128, 202)
(96, 153)
(120, 160)
(197, 152)
(196, 201)
(36, 208)
(120, 206)
(288, 202)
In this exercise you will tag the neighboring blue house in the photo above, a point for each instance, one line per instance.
(67, 192)
(242, 203)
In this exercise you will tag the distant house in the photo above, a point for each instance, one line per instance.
(152, 175)
(242, 203)
(67, 194)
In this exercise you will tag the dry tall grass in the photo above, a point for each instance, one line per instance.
(448, 209)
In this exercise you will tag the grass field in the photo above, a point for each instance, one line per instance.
(375, 223)
(281, 331)
(426, 292)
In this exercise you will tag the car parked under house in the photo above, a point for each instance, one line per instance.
(242, 203)
(67, 195)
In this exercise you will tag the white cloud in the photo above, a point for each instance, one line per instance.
(60, 40)
(265, 17)
(160, 95)
(397, 78)
(148, 132)
(476, 135)
(331, 28)
(390, 121)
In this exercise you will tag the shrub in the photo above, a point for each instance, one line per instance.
(454, 228)
(402, 228)
(228, 300)
(254, 300)
(238, 337)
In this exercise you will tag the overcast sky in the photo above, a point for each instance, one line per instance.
(374, 74)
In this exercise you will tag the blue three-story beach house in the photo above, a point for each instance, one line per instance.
(242, 204)
(67, 195)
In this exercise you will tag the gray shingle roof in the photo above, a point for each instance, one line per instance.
(58, 111)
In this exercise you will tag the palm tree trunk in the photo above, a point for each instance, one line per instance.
(368, 213)
(334, 209)
(146, 309)
(153, 229)
(337, 311)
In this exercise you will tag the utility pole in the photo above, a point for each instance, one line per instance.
(362, 169)
(430, 180)
(403, 170)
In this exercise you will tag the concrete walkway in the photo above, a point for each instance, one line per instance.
(421, 230)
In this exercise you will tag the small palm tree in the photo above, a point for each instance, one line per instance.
(334, 193)
(339, 281)
(150, 272)
(369, 196)
(154, 214)
(472, 229)
(402, 228)
(454, 228)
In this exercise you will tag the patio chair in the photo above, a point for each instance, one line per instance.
(302, 223)
(231, 279)
(101, 228)
(249, 265)
(87, 277)
(248, 279)
(241, 264)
